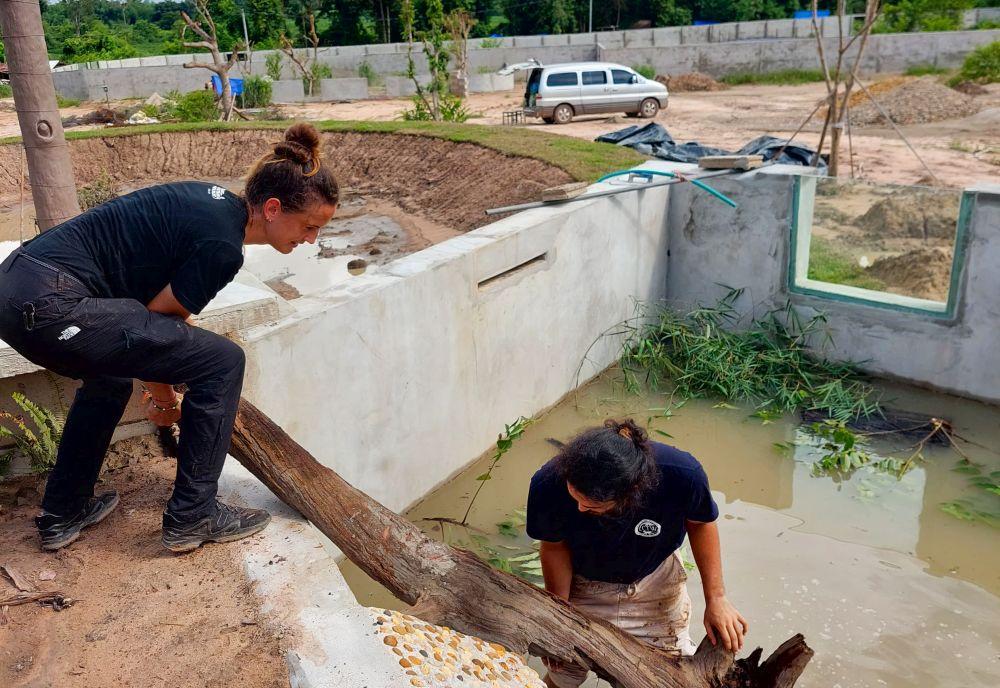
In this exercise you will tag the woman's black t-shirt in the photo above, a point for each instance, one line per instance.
(188, 235)
(623, 548)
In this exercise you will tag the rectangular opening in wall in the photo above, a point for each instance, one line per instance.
(898, 247)
(511, 272)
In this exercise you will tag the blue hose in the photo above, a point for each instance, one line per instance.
(650, 173)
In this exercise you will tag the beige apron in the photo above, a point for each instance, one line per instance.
(655, 609)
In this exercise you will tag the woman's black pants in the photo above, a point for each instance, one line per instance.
(51, 318)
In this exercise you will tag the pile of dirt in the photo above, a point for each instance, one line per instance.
(915, 102)
(101, 115)
(142, 616)
(923, 214)
(693, 81)
(923, 272)
(970, 88)
(450, 183)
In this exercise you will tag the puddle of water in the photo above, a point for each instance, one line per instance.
(869, 568)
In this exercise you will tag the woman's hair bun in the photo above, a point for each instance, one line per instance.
(629, 430)
(301, 144)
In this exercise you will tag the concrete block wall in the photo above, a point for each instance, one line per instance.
(343, 89)
(288, 91)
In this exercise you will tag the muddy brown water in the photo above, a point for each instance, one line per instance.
(887, 588)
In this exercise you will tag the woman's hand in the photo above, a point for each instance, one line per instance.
(723, 622)
(163, 405)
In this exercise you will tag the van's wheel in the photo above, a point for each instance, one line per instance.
(548, 120)
(563, 114)
(649, 108)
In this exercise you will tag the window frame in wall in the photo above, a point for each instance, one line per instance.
(798, 282)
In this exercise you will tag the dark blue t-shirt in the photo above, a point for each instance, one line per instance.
(623, 548)
(186, 234)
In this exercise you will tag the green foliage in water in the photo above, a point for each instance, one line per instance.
(984, 506)
(36, 432)
(767, 363)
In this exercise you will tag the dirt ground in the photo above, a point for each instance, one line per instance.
(143, 616)
(959, 151)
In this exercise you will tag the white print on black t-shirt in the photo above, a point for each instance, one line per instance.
(68, 333)
(647, 528)
(218, 193)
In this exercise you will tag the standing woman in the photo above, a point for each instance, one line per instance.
(106, 296)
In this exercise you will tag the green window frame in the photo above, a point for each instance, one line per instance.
(804, 192)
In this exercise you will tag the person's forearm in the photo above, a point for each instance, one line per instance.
(557, 568)
(163, 394)
(708, 556)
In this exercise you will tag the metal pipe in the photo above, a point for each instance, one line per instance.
(611, 192)
(658, 173)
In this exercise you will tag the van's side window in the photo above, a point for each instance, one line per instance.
(590, 78)
(621, 76)
(561, 79)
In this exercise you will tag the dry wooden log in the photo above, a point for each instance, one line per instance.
(443, 582)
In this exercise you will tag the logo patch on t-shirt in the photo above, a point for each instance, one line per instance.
(647, 528)
(217, 192)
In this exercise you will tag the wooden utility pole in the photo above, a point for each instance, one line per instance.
(455, 588)
(50, 170)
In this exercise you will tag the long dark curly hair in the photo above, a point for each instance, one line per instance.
(611, 463)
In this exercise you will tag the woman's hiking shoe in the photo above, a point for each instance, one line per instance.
(59, 531)
(227, 524)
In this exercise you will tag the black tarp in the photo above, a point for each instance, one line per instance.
(653, 140)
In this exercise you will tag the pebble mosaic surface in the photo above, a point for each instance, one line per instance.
(438, 657)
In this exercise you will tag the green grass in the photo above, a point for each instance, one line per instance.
(827, 264)
(925, 70)
(67, 102)
(6, 91)
(784, 77)
(583, 160)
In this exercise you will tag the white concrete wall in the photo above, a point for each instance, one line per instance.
(419, 363)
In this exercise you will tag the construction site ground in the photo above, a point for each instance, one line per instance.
(959, 151)
(142, 616)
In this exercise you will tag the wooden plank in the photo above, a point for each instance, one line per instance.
(730, 162)
(565, 191)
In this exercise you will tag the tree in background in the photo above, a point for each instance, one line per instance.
(309, 66)
(265, 22)
(458, 23)
(922, 15)
(206, 29)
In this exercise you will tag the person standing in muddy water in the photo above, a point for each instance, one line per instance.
(611, 511)
(106, 297)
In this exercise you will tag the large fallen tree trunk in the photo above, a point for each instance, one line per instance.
(455, 588)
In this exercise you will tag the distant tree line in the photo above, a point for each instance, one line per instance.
(86, 30)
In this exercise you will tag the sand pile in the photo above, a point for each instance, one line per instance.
(914, 102)
(694, 81)
(923, 272)
(923, 214)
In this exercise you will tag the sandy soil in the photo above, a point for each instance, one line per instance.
(144, 617)
(731, 118)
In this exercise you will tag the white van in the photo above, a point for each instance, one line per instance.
(558, 92)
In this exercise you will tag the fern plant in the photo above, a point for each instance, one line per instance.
(40, 443)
